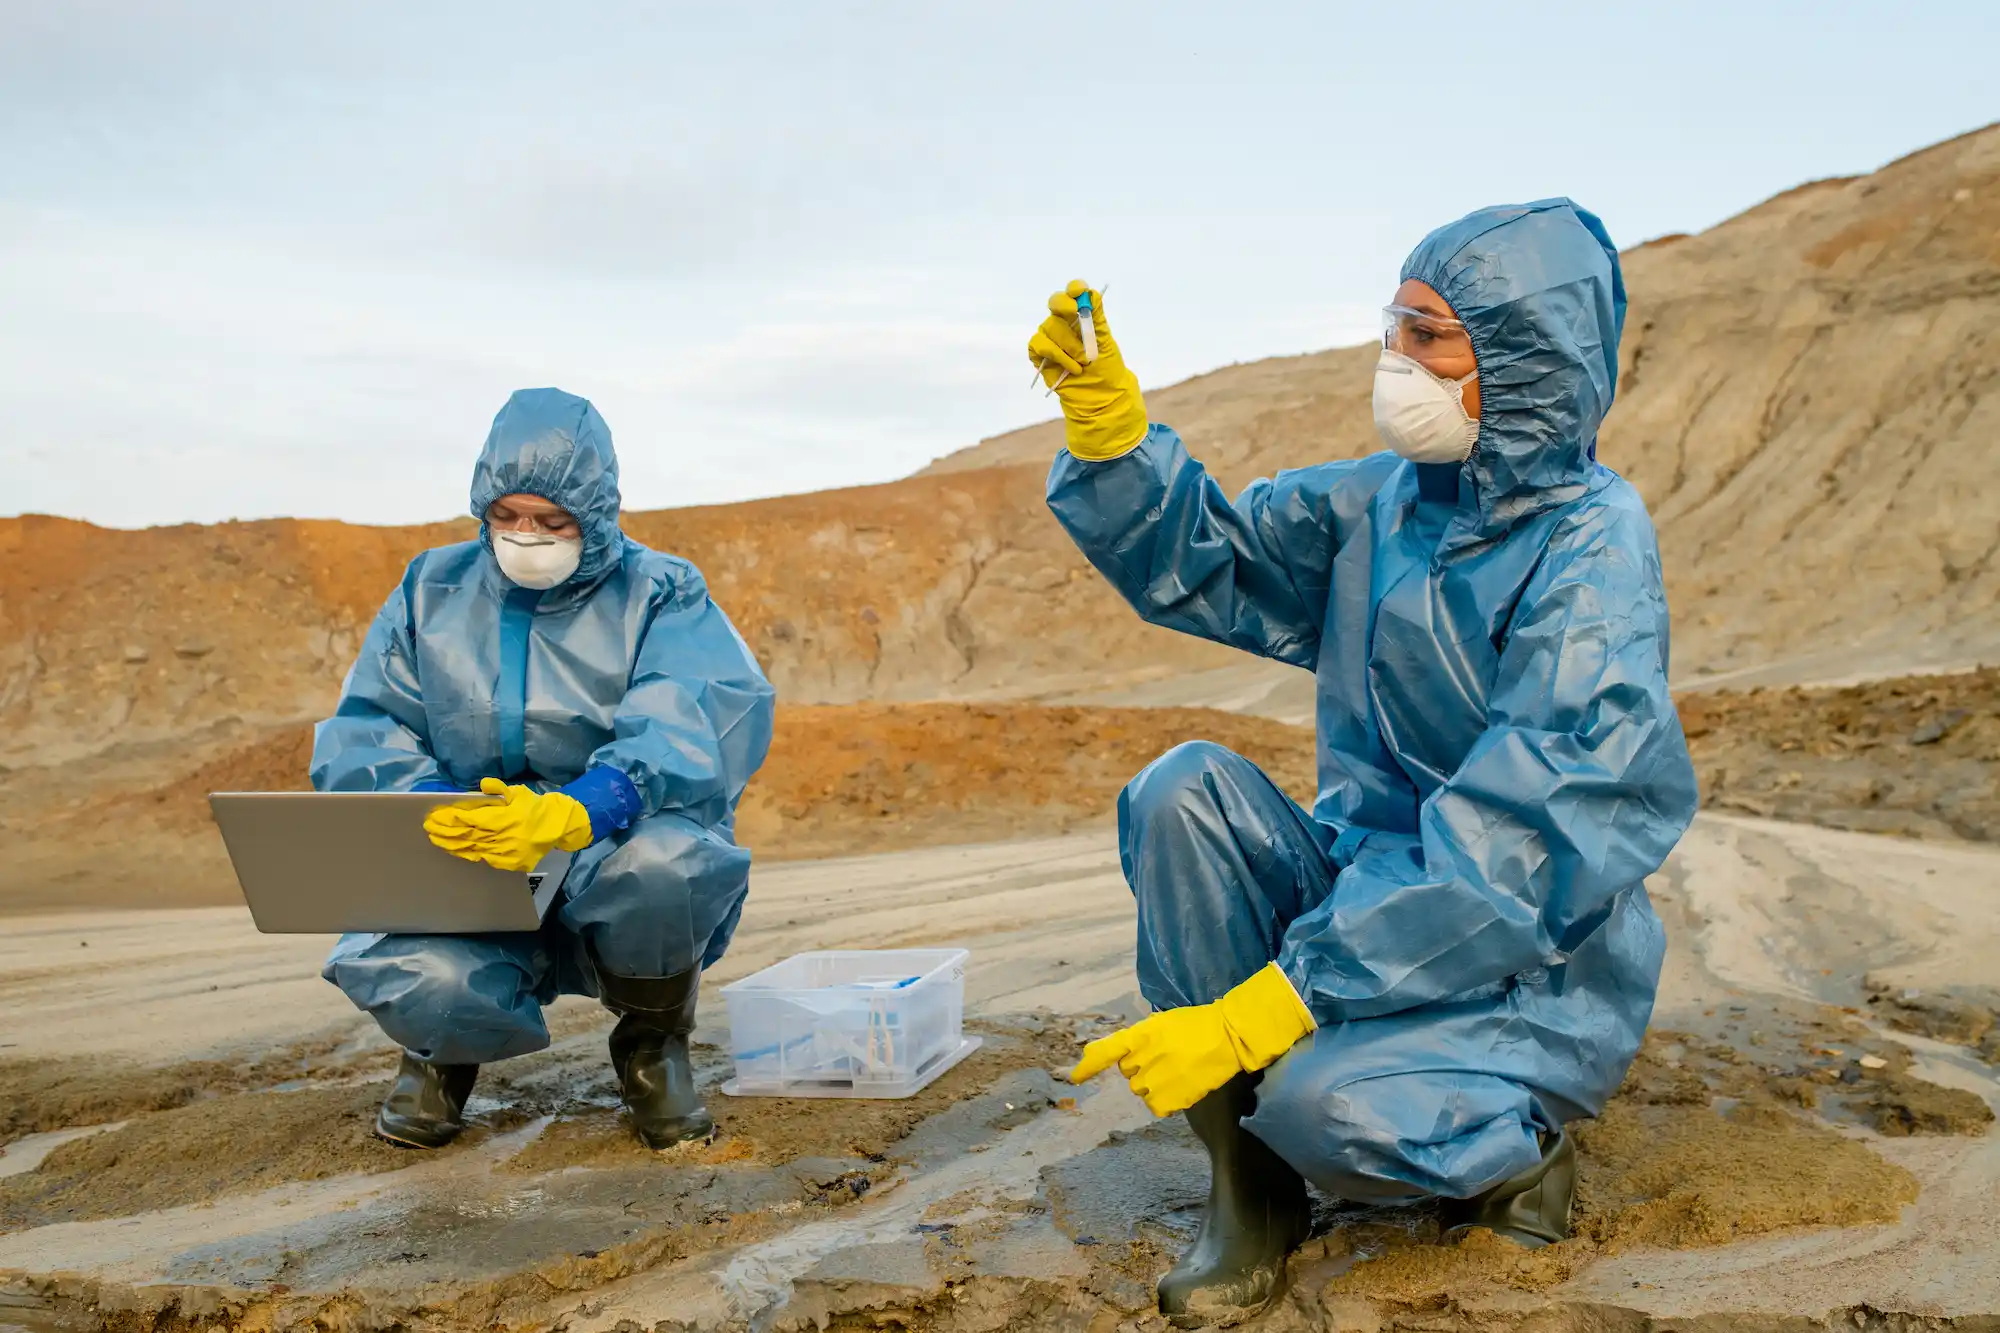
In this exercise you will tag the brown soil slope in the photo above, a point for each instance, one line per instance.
(1806, 403)
(842, 780)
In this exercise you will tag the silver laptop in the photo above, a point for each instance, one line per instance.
(323, 863)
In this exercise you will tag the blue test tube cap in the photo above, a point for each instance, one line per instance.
(1083, 303)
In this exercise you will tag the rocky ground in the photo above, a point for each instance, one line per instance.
(1917, 756)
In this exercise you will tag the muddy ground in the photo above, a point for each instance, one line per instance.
(1702, 1147)
(1821, 1152)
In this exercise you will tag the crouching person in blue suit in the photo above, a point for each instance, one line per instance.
(593, 685)
(1406, 991)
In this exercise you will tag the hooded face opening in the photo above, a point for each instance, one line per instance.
(551, 450)
(535, 514)
(1428, 331)
(1542, 299)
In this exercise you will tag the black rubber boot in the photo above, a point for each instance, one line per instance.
(1257, 1214)
(649, 1049)
(425, 1107)
(1532, 1209)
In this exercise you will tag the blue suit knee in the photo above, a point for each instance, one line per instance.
(658, 899)
(1393, 1138)
(453, 999)
(1174, 781)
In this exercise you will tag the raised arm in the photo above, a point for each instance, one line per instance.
(1254, 574)
(1579, 788)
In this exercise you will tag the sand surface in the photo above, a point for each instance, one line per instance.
(1745, 1168)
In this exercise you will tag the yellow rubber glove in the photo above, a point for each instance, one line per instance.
(1178, 1056)
(1103, 414)
(514, 835)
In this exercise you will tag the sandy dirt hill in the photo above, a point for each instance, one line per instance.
(1807, 403)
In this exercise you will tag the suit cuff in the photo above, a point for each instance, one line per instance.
(609, 796)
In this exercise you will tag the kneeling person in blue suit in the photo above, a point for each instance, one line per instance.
(593, 685)
(1406, 991)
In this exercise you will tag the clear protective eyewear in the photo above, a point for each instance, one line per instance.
(1419, 334)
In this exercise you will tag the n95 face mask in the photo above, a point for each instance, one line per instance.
(1419, 415)
(535, 560)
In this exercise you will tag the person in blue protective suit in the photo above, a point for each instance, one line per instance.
(1405, 992)
(592, 685)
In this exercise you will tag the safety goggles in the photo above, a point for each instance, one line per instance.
(1419, 334)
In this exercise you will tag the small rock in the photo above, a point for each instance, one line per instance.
(1872, 1062)
(136, 655)
(193, 649)
(1935, 730)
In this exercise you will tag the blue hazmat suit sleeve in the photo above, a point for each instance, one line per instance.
(1578, 789)
(377, 738)
(696, 720)
(1254, 574)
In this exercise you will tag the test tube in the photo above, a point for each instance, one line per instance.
(1087, 325)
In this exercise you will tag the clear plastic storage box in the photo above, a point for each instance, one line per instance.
(848, 1023)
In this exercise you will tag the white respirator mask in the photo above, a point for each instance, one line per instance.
(535, 559)
(1419, 415)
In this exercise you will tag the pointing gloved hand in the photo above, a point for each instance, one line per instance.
(514, 835)
(1178, 1056)
(1103, 414)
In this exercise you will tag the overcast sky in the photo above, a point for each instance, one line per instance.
(278, 258)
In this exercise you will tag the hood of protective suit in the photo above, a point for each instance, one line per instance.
(1541, 295)
(553, 444)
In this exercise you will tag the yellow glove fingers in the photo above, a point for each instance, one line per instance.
(1053, 360)
(1100, 1055)
(442, 823)
(1065, 322)
(492, 818)
(1062, 331)
(493, 787)
(453, 842)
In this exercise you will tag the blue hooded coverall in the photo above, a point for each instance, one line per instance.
(1500, 763)
(625, 686)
